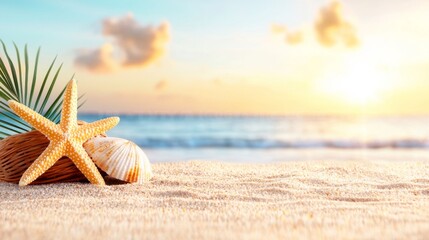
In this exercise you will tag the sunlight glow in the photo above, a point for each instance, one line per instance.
(358, 83)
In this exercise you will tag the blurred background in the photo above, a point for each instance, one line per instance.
(243, 81)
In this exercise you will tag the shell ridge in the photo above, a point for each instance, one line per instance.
(120, 158)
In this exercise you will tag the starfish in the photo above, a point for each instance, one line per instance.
(66, 138)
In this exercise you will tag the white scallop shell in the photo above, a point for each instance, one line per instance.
(119, 158)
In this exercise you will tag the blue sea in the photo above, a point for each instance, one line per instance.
(261, 139)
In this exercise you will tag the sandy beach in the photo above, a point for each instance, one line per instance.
(213, 200)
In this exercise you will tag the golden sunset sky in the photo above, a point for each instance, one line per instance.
(234, 57)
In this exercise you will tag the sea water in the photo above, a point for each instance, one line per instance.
(269, 139)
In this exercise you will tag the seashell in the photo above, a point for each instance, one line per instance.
(119, 158)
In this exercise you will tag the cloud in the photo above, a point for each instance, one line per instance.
(133, 45)
(96, 60)
(331, 27)
(139, 44)
(294, 37)
(278, 29)
(290, 37)
(161, 85)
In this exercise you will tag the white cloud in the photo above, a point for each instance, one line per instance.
(133, 45)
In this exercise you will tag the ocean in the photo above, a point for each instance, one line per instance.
(260, 139)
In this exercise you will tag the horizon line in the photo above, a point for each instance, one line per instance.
(154, 114)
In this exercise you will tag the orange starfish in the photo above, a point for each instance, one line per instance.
(66, 138)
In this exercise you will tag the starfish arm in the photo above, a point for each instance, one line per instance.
(84, 163)
(69, 111)
(93, 129)
(48, 128)
(46, 160)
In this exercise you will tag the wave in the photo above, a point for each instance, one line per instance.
(243, 143)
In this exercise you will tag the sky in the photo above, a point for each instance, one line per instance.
(233, 57)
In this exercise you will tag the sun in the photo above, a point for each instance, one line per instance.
(358, 83)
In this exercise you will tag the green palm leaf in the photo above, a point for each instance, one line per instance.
(16, 83)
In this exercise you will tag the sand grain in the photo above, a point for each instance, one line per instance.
(212, 200)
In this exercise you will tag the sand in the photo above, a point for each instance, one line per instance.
(212, 200)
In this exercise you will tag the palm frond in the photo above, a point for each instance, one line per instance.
(17, 83)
